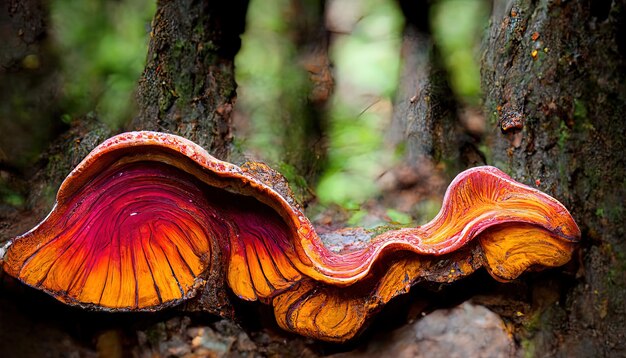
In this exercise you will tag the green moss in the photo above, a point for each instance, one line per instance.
(616, 274)
(580, 110)
(564, 134)
(582, 122)
(537, 323)
(398, 217)
(180, 70)
(381, 229)
(199, 29)
(183, 86)
(297, 183)
(228, 88)
(609, 211)
(166, 100)
(207, 53)
(178, 48)
(528, 348)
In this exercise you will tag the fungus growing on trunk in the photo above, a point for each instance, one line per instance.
(147, 219)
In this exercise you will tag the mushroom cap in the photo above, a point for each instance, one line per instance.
(146, 218)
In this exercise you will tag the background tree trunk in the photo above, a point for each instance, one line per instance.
(425, 109)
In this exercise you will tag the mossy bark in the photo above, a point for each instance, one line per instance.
(554, 76)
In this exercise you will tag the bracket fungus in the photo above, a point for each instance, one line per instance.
(147, 219)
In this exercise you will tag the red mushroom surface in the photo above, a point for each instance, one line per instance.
(139, 221)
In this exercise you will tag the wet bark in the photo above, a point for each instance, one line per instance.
(554, 77)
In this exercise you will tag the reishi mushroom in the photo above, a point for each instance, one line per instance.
(147, 218)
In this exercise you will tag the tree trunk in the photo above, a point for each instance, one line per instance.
(554, 77)
(188, 85)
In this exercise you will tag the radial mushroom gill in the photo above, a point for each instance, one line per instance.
(147, 218)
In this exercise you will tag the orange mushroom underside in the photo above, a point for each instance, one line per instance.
(136, 224)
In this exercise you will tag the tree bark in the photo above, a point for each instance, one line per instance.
(426, 122)
(554, 77)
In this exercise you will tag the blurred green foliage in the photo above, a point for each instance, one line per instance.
(272, 86)
(458, 26)
(102, 46)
